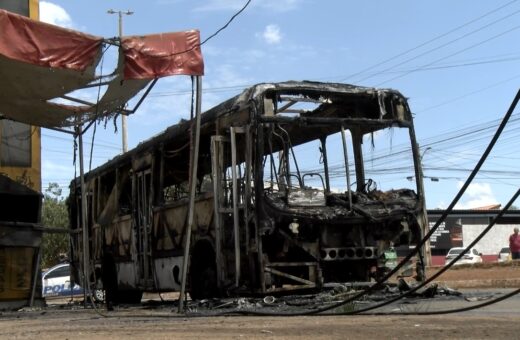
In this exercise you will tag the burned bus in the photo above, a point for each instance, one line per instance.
(286, 196)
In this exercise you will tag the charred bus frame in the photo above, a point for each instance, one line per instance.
(257, 226)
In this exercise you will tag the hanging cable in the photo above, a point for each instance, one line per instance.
(214, 34)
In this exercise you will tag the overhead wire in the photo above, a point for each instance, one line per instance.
(215, 33)
(449, 101)
(444, 45)
(461, 136)
(454, 53)
(219, 89)
(430, 40)
(468, 136)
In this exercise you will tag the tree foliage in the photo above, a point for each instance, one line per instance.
(54, 214)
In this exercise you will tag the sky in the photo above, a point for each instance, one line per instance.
(456, 61)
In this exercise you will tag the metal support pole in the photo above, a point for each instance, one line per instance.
(35, 277)
(193, 185)
(236, 229)
(323, 141)
(347, 168)
(84, 227)
(123, 116)
(216, 168)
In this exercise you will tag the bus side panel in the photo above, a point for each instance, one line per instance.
(119, 237)
(168, 273)
(168, 239)
(126, 275)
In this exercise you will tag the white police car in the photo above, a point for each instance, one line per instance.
(56, 283)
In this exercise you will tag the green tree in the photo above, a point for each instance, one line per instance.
(54, 215)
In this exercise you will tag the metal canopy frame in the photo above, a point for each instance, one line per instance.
(93, 120)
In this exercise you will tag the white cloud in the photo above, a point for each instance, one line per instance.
(477, 195)
(271, 5)
(54, 14)
(271, 34)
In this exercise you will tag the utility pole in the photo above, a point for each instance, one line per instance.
(123, 116)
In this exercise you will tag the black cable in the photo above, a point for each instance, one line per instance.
(213, 35)
(226, 25)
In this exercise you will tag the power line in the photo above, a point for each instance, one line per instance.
(430, 41)
(455, 53)
(102, 144)
(470, 93)
(216, 32)
(448, 66)
(227, 23)
(462, 63)
(446, 44)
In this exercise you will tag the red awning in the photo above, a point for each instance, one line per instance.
(160, 55)
(46, 45)
(41, 64)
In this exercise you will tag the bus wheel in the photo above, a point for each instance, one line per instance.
(98, 295)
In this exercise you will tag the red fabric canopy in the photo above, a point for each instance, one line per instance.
(42, 44)
(41, 64)
(165, 54)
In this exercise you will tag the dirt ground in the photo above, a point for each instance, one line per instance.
(143, 322)
(497, 275)
(86, 325)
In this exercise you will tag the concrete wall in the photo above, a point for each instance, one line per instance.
(495, 239)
